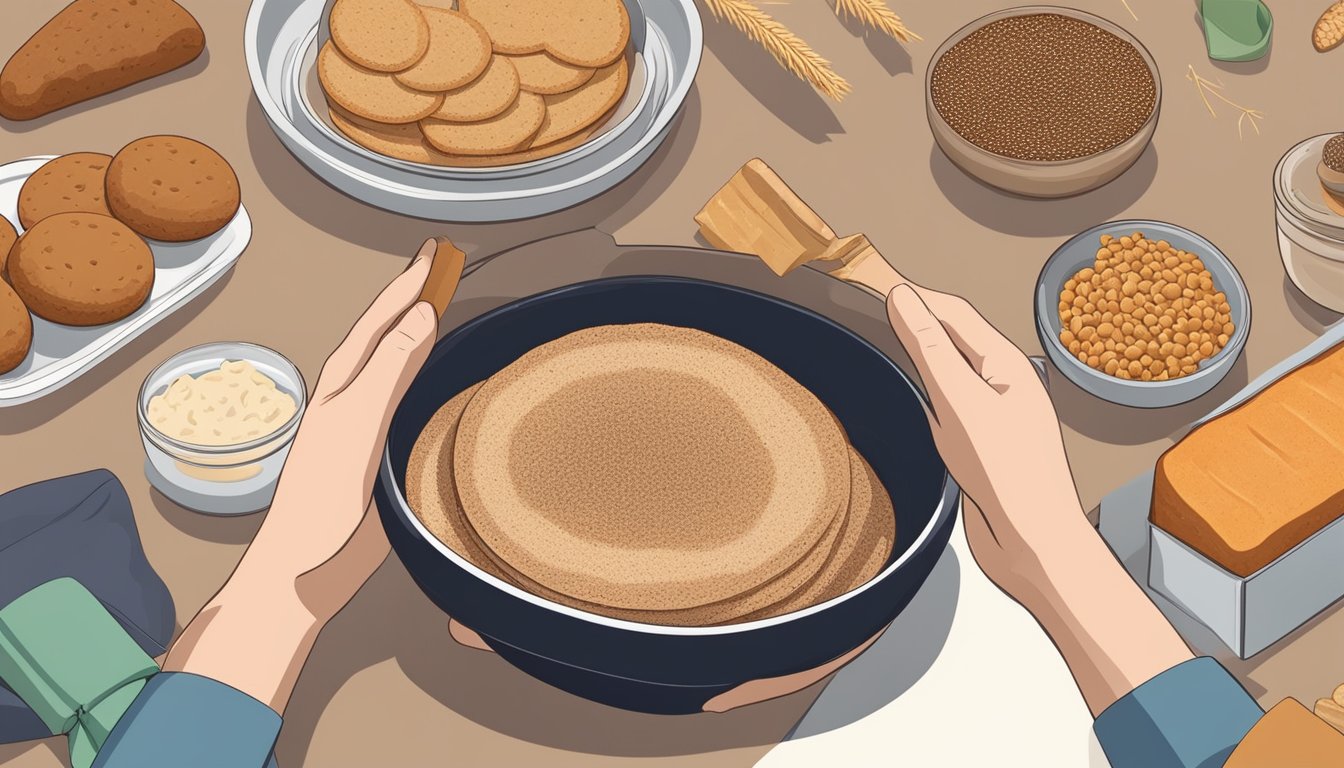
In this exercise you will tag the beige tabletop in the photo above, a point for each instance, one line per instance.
(966, 677)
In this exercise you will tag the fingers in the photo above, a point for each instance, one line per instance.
(349, 358)
(947, 376)
(989, 353)
(756, 691)
(398, 356)
(466, 636)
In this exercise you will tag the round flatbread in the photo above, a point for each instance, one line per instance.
(649, 467)
(492, 92)
(862, 551)
(458, 52)
(16, 329)
(374, 95)
(510, 130)
(429, 485)
(382, 35)
(81, 269)
(586, 33)
(568, 113)
(432, 495)
(542, 73)
(68, 184)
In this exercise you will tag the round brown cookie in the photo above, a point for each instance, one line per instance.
(508, 131)
(16, 329)
(81, 269)
(66, 184)
(542, 73)
(375, 95)
(488, 95)
(459, 51)
(172, 188)
(382, 35)
(403, 142)
(513, 158)
(587, 33)
(567, 113)
(8, 236)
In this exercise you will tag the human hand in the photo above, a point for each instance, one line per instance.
(322, 530)
(322, 538)
(996, 429)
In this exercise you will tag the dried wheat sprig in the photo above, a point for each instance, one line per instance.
(876, 14)
(1132, 14)
(787, 48)
(1206, 87)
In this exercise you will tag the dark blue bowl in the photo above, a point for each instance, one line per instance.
(676, 670)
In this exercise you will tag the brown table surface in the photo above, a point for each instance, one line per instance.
(385, 686)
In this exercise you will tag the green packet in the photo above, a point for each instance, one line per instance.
(72, 663)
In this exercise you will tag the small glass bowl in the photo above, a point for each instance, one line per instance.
(225, 479)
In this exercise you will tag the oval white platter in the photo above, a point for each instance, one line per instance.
(63, 353)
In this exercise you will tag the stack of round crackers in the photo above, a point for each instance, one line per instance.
(494, 82)
(655, 474)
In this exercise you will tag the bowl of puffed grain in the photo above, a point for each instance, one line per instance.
(1142, 313)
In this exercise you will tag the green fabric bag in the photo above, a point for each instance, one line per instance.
(72, 663)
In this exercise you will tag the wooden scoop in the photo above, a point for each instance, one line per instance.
(756, 213)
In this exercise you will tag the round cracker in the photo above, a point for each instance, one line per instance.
(374, 95)
(459, 51)
(403, 142)
(649, 467)
(568, 113)
(510, 130)
(542, 73)
(492, 92)
(406, 142)
(586, 33)
(382, 35)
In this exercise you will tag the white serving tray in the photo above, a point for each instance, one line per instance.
(62, 353)
(1246, 614)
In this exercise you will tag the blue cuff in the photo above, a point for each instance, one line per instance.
(1191, 716)
(181, 719)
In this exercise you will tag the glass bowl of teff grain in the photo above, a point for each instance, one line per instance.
(1043, 101)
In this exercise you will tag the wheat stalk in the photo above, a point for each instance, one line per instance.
(876, 14)
(787, 48)
(1207, 87)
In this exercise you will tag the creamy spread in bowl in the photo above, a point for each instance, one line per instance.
(232, 404)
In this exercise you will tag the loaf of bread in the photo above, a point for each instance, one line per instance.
(1257, 481)
(93, 47)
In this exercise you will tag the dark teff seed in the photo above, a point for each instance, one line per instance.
(1043, 87)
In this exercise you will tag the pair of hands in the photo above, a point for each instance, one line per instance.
(992, 421)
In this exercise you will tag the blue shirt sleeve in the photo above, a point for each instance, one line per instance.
(181, 719)
(1191, 716)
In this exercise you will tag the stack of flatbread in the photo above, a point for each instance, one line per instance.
(490, 82)
(655, 474)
